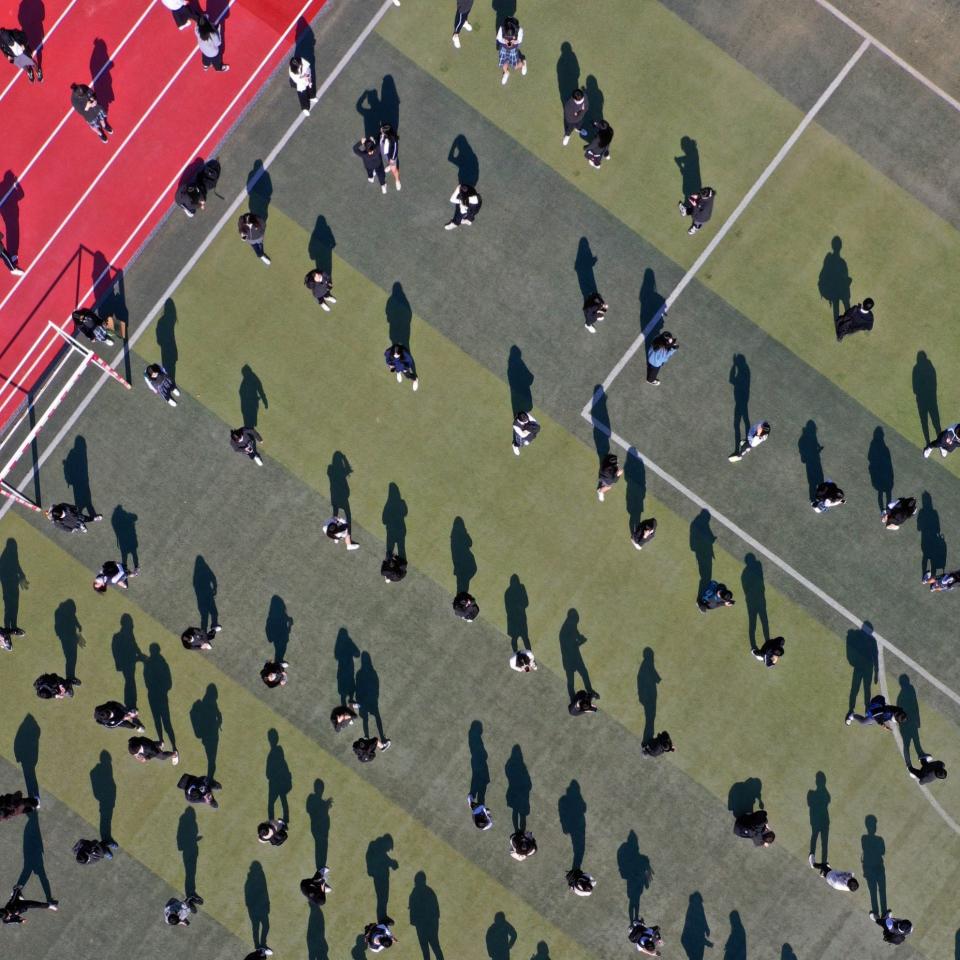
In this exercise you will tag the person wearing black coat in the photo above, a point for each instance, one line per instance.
(895, 931)
(394, 568)
(575, 109)
(368, 150)
(466, 607)
(594, 310)
(193, 638)
(753, 826)
(598, 149)
(15, 804)
(643, 533)
(320, 283)
(199, 789)
(770, 653)
(67, 517)
(466, 205)
(143, 749)
(114, 714)
(94, 327)
(16, 48)
(244, 440)
(51, 686)
(274, 673)
(273, 832)
(366, 748)
(84, 101)
(699, 206)
(316, 888)
(928, 771)
(252, 230)
(582, 703)
(657, 746)
(191, 195)
(858, 317)
(610, 472)
(161, 383)
(90, 851)
(898, 512)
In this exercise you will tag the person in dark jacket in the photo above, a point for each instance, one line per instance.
(191, 195)
(643, 532)
(895, 931)
(390, 152)
(523, 845)
(594, 310)
(482, 818)
(394, 568)
(316, 888)
(898, 512)
(193, 638)
(177, 912)
(16, 48)
(525, 430)
(274, 673)
(770, 653)
(400, 361)
(466, 205)
(343, 716)
(460, 21)
(244, 440)
(15, 908)
(366, 748)
(16, 804)
(84, 101)
(657, 746)
(610, 472)
(90, 851)
(6, 637)
(466, 607)
(582, 703)
(252, 230)
(928, 771)
(67, 517)
(112, 572)
(754, 826)
(575, 109)
(143, 749)
(699, 206)
(301, 79)
(715, 595)
(879, 712)
(826, 496)
(945, 582)
(199, 790)
(645, 938)
(51, 686)
(273, 832)
(368, 150)
(598, 149)
(523, 661)
(95, 328)
(946, 442)
(160, 382)
(580, 883)
(113, 714)
(378, 936)
(210, 44)
(858, 317)
(663, 346)
(338, 531)
(320, 283)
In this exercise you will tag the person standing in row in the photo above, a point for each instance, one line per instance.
(14, 909)
(252, 230)
(143, 749)
(946, 442)
(826, 496)
(858, 317)
(379, 936)
(344, 715)
(244, 440)
(928, 771)
(160, 382)
(51, 686)
(273, 832)
(523, 845)
(70, 518)
(898, 512)
(598, 149)
(643, 532)
(320, 283)
(84, 101)
(662, 348)
(90, 851)
(301, 79)
(210, 44)
(838, 879)
(390, 152)
(594, 310)
(183, 12)
(509, 38)
(753, 826)
(657, 746)
(199, 790)
(582, 703)
(575, 109)
(94, 327)
(274, 673)
(879, 712)
(368, 150)
(113, 714)
(15, 47)
(316, 888)
(699, 206)
(177, 912)
(715, 595)
(460, 21)
(466, 205)
(895, 931)
(338, 530)
(756, 435)
(393, 568)
(610, 472)
(193, 638)
(466, 607)
(365, 749)
(580, 883)
(482, 818)
(525, 430)
(400, 361)
(10, 260)
(770, 653)
(113, 573)
(523, 661)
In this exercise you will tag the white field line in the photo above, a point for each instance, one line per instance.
(730, 221)
(202, 248)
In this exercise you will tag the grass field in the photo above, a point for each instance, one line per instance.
(492, 316)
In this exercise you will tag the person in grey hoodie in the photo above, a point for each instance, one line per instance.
(252, 229)
(574, 113)
(210, 42)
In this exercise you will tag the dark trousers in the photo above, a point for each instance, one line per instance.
(653, 373)
(469, 216)
(305, 96)
(215, 62)
(24, 905)
(380, 173)
(257, 248)
(569, 127)
(460, 18)
(9, 261)
(184, 15)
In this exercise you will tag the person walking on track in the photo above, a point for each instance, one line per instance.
(210, 43)
(84, 101)
(15, 47)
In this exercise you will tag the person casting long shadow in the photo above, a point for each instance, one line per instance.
(515, 602)
(864, 659)
(368, 693)
(345, 651)
(689, 165)
(126, 656)
(568, 71)
(635, 869)
(695, 935)
(572, 810)
(379, 865)
(337, 473)
(12, 581)
(76, 475)
(124, 526)
(207, 721)
(571, 640)
(933, 548)
(279, 778)
(257, 899)
(252, 395)
(702, 540)
(910, 728)
(395, 518)
(755, 597)
(205, 587)
(159, 681)
(501, 938)
(464, 563)
(808, 446)
(424, 910)
(26, 751)
(647, 680)
(873, 850)
(818, 803)
(188, 843)
(880, 467)
(277, 627)
(68, 629)
(104, 789)
(479, 768)
(461, 155)
(520, 380)
(318, 810)
(736, 946)
(740, 381)
(835, 280)
(924, 382)
(519, 786)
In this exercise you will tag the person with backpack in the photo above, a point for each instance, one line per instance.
(643, 532)
(837, 879)
(826, 496)
(699, 206)
(858, 317)
(210, 44)
(365, 749)
(661, 349)
(274, 673)
(273, 832)
(114, 573)
(191, 195)
(320, 283)
(390, 152)
(657, 746)
(946, 441)
(84, 102)
(143, 749)
(16, 48)
(344, 715)
(523, 845)
(509, 54)
(898, 512)
(466, 205)
(51, 686)
(610, 473)
(199, 790)
(90, 851)
(16, 804)
(95, 328)
(183, 12)
(646, 939)
(177, 912)
(756, 435)
(466, 607)
(70, 518)
(598, 149)
(575, 109)
(316, 888)
(394, 568)
(301, 79)
(754, 826)
(460, 21)
(582, 703)
(252, 229)
(338, 531)
(379, 936)
(770, 653)
(400, 361)
(928, 771)
(244, 440)
(368, 150)
(580, 883)
(715, 595)
(879, 712)
(113, 714)
(160, 382)
(594, 310)
(482, 818)
(525, 430)
(193, 638)
(895, 931)
(523, 661)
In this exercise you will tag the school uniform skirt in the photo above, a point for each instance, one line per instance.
(509, 56)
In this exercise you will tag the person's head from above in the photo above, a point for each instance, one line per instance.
(868, 304)
(725, 595)
(940, 773)
(764, 429)
(396, 351)
(370, 145)
(100, 584)
(707, 192)
(523, 417)
(853, 885)
(295, 64)
(768, 837)
(316, 276)
(385, 128)
(83, 856)
(205, 28)
(265, 832)
(578, 95)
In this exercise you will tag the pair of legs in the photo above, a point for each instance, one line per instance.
(29, 66)
(10, 260)
(99, 125)
(394, 168)
(653, 374)
(308, 97)
(258, 250)
(215, 62)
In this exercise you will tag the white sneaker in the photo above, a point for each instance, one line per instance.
(331, 299)
(398, 184)
(734, 457)
(504, 79)
(943, 453)
(926, 452)
(590, 327)
(383, 188)
(175, 759)
(399, 378)
(523, 69)
(467, 26)
(600, 495)
(172, 402)
(265, 259)
(682, 208)
(456, 41)
(17, 272)
(566, 139)
(810, 860)
(516, 450)
(691, 231)
(450, 226)
(314, 99)
(353, 546)
(416, 385)
(324, 307)
(258, 460)
(189, 213)
(306, 113)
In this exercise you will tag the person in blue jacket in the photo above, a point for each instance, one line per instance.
(400, 361)
(663, 347)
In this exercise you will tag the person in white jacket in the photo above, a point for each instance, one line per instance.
(210, 42)
(183, 12)
(301, 78)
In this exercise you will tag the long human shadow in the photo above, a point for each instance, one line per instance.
(257, 900)
(635, 870)
(76, 475)
(205, 587)
(69, 632)
(818, 803)
(345, 652)
(479, 768)
(543, 951)
(399, 314)
(880, 467)
(12, 581)
(321, 245)
(10, 211)
(689, 164)
(835, 280)
(755, 598)
(461, 554)
(104, 789)
(744, 795)
(379, 864)
(501, 937)
(317, 948)
(909, 728)
(873, 849)
(933, 547)
(924, 382)
(572, 811)
(809, 448)
(695, 935)
(520, 380)
(635, 479)
(503, 9)
(305, 45)
(251, 394)
(124, 525)
(702, 540)
(368, 693)
(279, 778)
(395, 521)
(600, 417)
(519, 786)
(740, 381)
(33, 860)
(26, 751)
(103, 85)
(126, 655)
(583, 265)
(277, 627)
(595, 95)
(647, 680)
(571, 640)
(166, 334)
(159, 681)
(568, 71)
(318, 810)
(337, 473)
(864, 659)
(736, 946)
(956, 946)
(259, 190)
(786, 952)
(380, 107)
(515, 603)
(207, 721)
(188, 843)
(424, 911)
(461, 155)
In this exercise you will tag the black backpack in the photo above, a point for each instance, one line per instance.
(209, 176)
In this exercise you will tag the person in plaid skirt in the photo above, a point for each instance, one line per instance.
(509, 38)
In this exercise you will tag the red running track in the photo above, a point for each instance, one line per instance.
(76, 210)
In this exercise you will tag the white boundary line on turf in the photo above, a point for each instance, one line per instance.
(887, 52)
(66, 116)
(728, 223)
(39, 46)
(198, 253)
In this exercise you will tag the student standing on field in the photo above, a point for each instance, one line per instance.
(898, 512)
(113, 573)
(177, 912)
(770, 653)
(460, 21)
(928, 771)
(113, 714)
(160, 382)
(301, 79)
(946, 442)
(826, 496)
(594, 310)
(338, 530)
(68, 517)
(575, 109)
(320, 285)
(466, 607)
(598, 149)
(466, 205)
(390, 152)
(525, 430)
(252, 230)
(244, 440)
(663, 347)
(210, 43)
(643, 532)
(144, 749)
(400, 361)
(756, 435)
(858, 317)
(838, 879)
(15, 47)
(84, 101)
(90, 851)
(368, 150)
(610, 473)
(16, 906)
(509, 38)
(699, 206)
